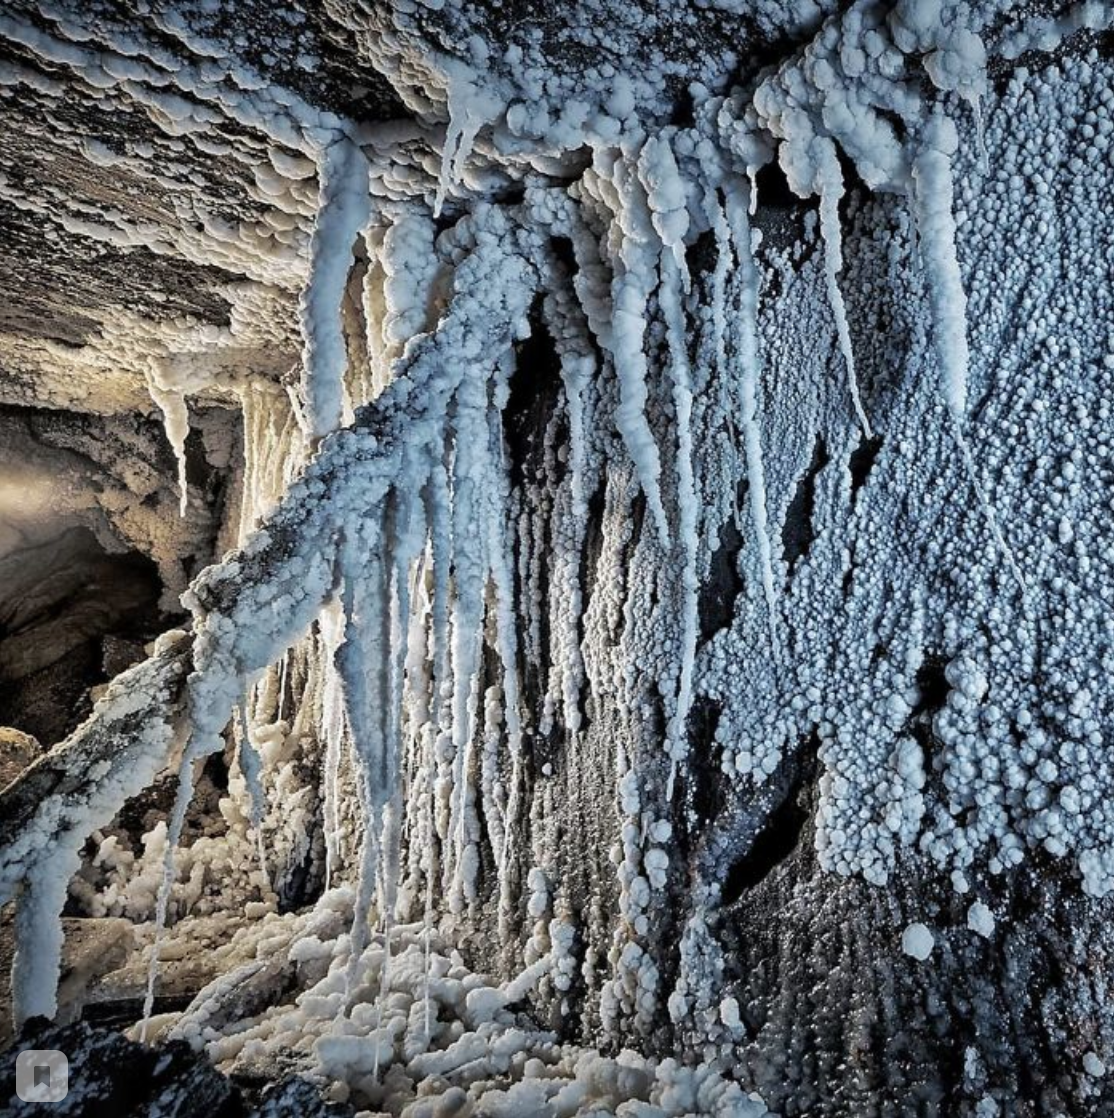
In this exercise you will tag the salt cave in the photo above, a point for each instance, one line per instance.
(555, 560)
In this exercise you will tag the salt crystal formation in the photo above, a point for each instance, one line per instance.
(669, 571)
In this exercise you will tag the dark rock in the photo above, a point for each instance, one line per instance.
(113, 1077)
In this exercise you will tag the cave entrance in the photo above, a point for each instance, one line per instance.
(72, 616)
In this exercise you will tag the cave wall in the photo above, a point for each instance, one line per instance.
(93, 552)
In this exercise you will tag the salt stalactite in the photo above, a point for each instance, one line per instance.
(830, 186)
(274, 449)
(687, 508)
(374, 308)
(665, 193)
(38, 937)
(333, 725)
(438, 516)
(980, 133)
(614, 181)
(670, 218)
(717, 222)
(572, 341)
(469, 109)
(182, 798)
(713, 213)
(251, 767)
(749, 361)
(344, 209)
(470, 569)
(932, 209)
(364, 661)
(410, 267)
(176, 421)
(932, 202)
(506, 630)
(409, 534)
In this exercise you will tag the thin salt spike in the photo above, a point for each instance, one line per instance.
(282, 686)
(670, 303)
(333, 726)
(633, 267)
(343, 211)
(391, 846)
(464, 125)
(980, 134)
(936, 230)
(409, 534)
(251, 766)
(182, 797)
(987, 511)
(176, 422)
(439, 517)
(361, 659)
(748, 387)
(506, 633)
(831, 191)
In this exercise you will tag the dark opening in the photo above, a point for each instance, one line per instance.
(933, 686)
(797, 533)
(862, 461)
(72, 615)
(782, 833)
(702, 796)
(774, 191)
(716, 605)
(535, 388)
(772, 846)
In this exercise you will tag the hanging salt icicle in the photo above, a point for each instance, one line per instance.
(568, 327)
(439, 518)
(283, 672)
(717, 221)
(935, 223)
(748, 387)
(932, 210)
(249, 417)
(830, 186)
(470, 568)
(506, 633)
(251, 767)
(409, 535)
(332, 718)
(176, 422)
(713, 211)
(498, 500)
(670, 302)
(665, 193)
(391, 847)
(364, 661)
(343, 211)
(633, 271)
(182, 797)
(975, 100)
(469, 108)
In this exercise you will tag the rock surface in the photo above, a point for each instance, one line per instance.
(111, 1077)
